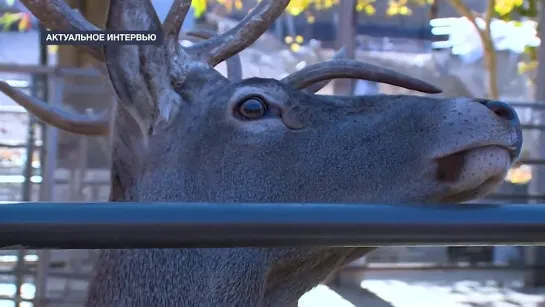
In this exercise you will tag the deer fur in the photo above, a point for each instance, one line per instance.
(185, 133)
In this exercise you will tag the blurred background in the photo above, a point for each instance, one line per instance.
(473, 48)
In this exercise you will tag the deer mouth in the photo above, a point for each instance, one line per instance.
(475, 171)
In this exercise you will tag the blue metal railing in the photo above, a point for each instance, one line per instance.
(167, 225)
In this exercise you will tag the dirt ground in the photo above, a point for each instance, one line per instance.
(461, 288)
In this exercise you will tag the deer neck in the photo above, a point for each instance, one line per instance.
(207, 277)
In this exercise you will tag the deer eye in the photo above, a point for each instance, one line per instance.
(252, 108)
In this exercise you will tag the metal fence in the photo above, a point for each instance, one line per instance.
(67, 217)
(29, 171)
(194, 225)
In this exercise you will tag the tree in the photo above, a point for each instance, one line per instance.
(505, 10)
(297, 7)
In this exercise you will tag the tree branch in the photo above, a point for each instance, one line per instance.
(486, 41)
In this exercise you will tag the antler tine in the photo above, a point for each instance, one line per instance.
(56, 117)
(57, 15)
(234, 64)
(352, 69)
(175, 18)
(245, 33)
(314, 88)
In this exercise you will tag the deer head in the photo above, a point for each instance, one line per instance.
(183, 132)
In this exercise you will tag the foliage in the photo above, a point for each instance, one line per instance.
(306, 7)
(297, 7)
(7, 20)
(507, 10)
(502, 9)
(199, 6)
(513, 9)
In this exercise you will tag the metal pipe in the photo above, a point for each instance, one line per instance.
(26, 187)
(533, 127)
(81, 168)
(40, 69)
(535, 255)
(346, 37)
(50, 146)
(190, 225)
(48, 160)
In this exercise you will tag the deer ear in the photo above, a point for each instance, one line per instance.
(140, 74)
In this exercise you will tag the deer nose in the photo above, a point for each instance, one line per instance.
(507, 113)
(503, 111)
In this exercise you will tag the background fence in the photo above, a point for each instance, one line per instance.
(59, 172)
(44, 164)
(36, 165)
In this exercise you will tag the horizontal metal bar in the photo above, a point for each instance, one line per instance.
(51, 274)
(533, 127)
(55, 70)
(168, 225)
(532, 105)
(532, 161)
(15, 146)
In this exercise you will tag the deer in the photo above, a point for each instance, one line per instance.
(183, 132)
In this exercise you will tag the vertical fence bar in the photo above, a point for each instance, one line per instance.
(47, 187)
(346, 37)
(26, 190)
(535, 255)
(81, 167)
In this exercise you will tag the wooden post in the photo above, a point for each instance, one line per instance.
(346, 36)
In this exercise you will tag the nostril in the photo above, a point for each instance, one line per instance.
(503, 113)
(503, 110)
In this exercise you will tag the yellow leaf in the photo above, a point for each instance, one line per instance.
(525, 67)
(24, 23)
(404, 10)
(393, 10)
(295, 47)
(519, 175)
(296, 7)
(199, 6)
(8, 19)
(52, 49)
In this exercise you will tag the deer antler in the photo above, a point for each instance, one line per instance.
(57, 117)
(234, 64)
(314, 88)
(353, 69)
(56, 14)
(245, 33)
(175, 19)
(92, 125)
